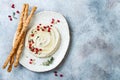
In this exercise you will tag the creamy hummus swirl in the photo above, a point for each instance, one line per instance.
(43, 41)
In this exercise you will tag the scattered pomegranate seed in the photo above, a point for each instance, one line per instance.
(32, 50)
(49, 29)
(53, 19)
(47, 26)
(52, 22)
(30, 45)
(13, 6)
(38, 29)
(30, 62)
(10, 19)
(43, 30)
(17, 12)
(40, 49)
(61, 75)
(58, 20)
(44, 27)
(38, 26)
(55, 71)
(32, 35)
(31, 59)
(9, 16)
(51, 25)
(56, 74)
(36, 49)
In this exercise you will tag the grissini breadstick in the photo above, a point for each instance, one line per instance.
(11, 63)
(20, 25)
(18, 31)
(17, 34)
(20, 48)
(20, 36)
(25, 14)
(30, 16)
(22, 43)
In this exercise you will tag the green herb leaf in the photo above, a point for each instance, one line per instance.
(13, 13)
(14, 17)
(48, 62)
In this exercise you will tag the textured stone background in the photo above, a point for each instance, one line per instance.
(94, 52)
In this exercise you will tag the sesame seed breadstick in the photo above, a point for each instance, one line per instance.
(22, 42)
(17, 33)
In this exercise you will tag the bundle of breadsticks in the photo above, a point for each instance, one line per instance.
(14, 56)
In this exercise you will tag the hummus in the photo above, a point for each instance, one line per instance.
(42, 41)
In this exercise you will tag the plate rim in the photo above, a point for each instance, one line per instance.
(64, 52)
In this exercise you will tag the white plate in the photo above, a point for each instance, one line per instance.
(45, 18)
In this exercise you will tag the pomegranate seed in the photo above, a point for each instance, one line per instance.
(10, 19)
(36, 49)
(56, 74)
(53, 19)
(38, 26)
(52, 22)
(55, 71)
(30, 44)
(38, 29)
(49, 29)
(32, 35)
(32, 50)
(61, 75)
(29, 47)
(51, 25)
(31, 59)
(58, 20)
(42, 29)
(40, 49)
(30, 62)
(9, 16)
(17, 12)
(13, 6)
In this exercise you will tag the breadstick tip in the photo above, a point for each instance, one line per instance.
(35, 7)
(3, 67)
(9, 70)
